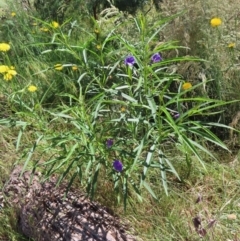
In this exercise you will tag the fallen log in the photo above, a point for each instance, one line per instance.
(46, 213)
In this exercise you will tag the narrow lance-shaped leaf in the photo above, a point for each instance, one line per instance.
(31, 153)
(149, 189)
(163, 173)
(147, 163)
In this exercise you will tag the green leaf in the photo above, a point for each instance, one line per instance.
(31, 153)
(68, 157)
(171, 167)
(127, 97)
(190, 144)
(147, 163)
(125, 192)
(152, 106)
(149, 189)
(163, 173)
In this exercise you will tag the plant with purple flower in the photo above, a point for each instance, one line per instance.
(176, 115)
(109, 143)
(156, 58)
(130, 61)
(117, 165)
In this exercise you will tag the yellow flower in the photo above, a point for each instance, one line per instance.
(32, 88)
(9, 72)
(55, 24)
(34, 24)
(187, 86)
(13, 14)
(44, 29)
(3, 68)
(96, 31)
(74, 68)
(58, 67)
(4, 47)
(231, 45)
(99, 46)
(12, 72)
(7, 77)
(215, 22)
(123, 109)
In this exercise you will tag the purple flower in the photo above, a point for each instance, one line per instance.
(109, 143)
(176, 115)
(156, 58)
(130, 60)
(117, 165)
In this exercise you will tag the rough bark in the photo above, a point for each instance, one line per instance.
(46, 214)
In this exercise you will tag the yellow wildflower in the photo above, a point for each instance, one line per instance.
(13, 14)
(58, 67)
(55, 24)
(231, 45)
(9, 72)
(12, 72)
(96, 31)
(99, 46)
(32, 88)
(7, 77)
(123, 109)
(215, 22)
(186, 86)
(3, 68)
(74, 68)
(4, 47)
(44, 29)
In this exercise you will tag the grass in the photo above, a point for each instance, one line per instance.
(211, 195)
(73, 112)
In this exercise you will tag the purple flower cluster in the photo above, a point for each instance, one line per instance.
(176, 115)
(109, 143)
(156, 58)
(117, 165)
(130, 60)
